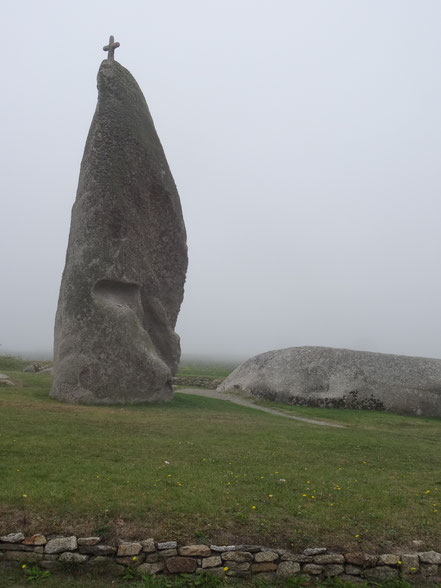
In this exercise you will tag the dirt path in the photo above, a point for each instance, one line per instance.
(250, 404)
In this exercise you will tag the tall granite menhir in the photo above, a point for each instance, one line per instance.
(126, 261)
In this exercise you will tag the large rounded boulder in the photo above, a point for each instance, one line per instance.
(342, 378)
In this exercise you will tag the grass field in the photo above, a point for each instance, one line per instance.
(208, 370)
(234, 474)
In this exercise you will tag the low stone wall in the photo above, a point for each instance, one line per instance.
(149, 557)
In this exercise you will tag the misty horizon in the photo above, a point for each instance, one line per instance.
(304, 140)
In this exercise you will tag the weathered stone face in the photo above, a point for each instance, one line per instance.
(342, 378)
(126, 261)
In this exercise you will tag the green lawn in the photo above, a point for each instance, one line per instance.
(235, 474)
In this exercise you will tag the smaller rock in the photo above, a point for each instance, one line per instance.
(195, 550)
(126, 549)
(181, 565)
(331, 570)
(298, 557)
(5, 381)
(32, 368)
(288, 568)
(237, 566)
(167, 545)
(429, 569)
(237, 556)
(13, 538)
(48, 557)
(69, 557)
(430, 557)
(315, 551)
(388, 559)
(266, 556)
(131, 560)
(212, 562)
(88, 540)
(148, 545)
(238, 574)
(61, 544)
(150, 568)
(151, 557)
(222, 548)
(264, 566)
(364, 560)
(168, 552)
(410, 563)
(329, 558)
(352, 570)
(35, 540)
(380, 574)
(312, 569)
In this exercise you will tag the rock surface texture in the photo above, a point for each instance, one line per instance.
(126, 261)
(323, 376)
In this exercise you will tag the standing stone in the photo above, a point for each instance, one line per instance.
(123, 282)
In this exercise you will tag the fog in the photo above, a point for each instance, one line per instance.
(305, 141)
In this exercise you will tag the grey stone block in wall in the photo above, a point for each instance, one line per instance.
(342, 378)
(168, 545)
(380, 574)
(69, 557)
(430, 557)
(126, 261)
(129, 548)
(288, 568)
(266, 556)
(61, 544)
(237, 556)
(212, 562)
(151, 569)
(148, 545)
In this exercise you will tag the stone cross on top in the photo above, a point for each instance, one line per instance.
(111, 48)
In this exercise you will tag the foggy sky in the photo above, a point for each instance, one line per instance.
(305, 141)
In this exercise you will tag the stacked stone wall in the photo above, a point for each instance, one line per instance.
(149, 557)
